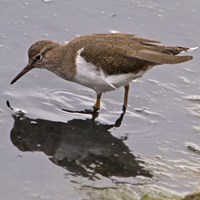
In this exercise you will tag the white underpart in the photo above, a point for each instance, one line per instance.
(88, 75)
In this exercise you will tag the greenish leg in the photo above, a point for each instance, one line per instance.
(97, 103)
(126, 87)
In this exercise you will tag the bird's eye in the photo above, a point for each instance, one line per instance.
(38, 57)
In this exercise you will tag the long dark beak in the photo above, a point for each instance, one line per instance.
(24, 71)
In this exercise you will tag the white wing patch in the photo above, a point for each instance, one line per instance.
(88, 75)
(190, 49)
(193, 48)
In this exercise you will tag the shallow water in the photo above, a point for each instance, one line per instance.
(49, 153)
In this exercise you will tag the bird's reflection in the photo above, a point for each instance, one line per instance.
(83, 147)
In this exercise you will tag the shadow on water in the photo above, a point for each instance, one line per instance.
(83, 147)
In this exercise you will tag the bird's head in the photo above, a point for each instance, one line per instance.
(39, 57)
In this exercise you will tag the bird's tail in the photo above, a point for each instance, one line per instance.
(177, 50)
(165, 55)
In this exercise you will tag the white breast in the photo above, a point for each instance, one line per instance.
(88, 75)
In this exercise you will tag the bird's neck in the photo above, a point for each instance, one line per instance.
(63, 62)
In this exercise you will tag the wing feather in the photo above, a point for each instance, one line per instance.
(115, 59)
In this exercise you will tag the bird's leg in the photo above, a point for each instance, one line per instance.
(126, 87)
(97, 103)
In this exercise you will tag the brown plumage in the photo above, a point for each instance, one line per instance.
(108, 57)
(123, 53)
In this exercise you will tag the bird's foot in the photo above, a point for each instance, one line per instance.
(92, 112)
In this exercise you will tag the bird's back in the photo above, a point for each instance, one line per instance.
(124, 53)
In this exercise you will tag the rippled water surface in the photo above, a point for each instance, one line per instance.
(49, 149)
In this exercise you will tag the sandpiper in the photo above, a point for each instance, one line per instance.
(102, 62)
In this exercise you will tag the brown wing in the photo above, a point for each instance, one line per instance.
(121, 38)
(161, 58)
(112, 60)
(115, 59)
(112, 39)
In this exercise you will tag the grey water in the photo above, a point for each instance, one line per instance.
(49, 153)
